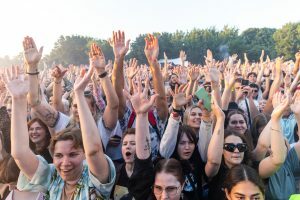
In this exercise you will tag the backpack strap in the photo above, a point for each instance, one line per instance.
(131, 119)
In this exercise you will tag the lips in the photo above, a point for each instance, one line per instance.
(128, 153)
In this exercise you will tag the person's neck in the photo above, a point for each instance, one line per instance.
(228, 165)
(129, 168)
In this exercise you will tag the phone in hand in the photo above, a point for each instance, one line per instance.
(245, 82)
(202, 94)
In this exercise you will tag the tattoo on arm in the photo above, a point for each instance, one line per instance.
(47, 114)
(147, 145)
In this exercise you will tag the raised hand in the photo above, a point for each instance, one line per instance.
(179, 99)
(117, 42)
(83, 79)
(280, 104)
(139, 100)
(295, 106)
(151, 48)
(216, 110)
(17, 84)
(97, 59)
(182, 56)
(58, 73)
(31, 55)
(165, 56)
(193, 73)
(133, 69)
(297, 56)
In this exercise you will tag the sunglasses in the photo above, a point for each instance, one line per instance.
(242, 147)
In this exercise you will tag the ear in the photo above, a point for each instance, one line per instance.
(227, 194)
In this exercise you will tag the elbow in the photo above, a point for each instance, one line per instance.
(278, 160)
(214, 162)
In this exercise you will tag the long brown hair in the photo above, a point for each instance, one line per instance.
(48, 135)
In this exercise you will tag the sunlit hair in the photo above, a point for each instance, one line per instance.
(241, 173)
(187, 114)
(170, 166)
(48, 135)
(73, 134)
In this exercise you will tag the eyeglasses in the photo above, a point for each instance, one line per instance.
(242, 147)
(171, 191)
(235, 122)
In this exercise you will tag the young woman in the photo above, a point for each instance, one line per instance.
(166, 180)
(125, 170)
(236, 150)
(39, 138)
(243, 182)
(80, 169)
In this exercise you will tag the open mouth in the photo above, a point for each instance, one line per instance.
(128, 153)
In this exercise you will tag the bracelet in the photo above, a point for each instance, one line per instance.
(266, 76)
(275, 130)
(34, 73)
(177, 111)
(104, 74)
(175, 114)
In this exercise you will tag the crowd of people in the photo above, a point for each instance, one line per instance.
(122, 130)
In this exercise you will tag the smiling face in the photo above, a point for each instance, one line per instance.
(185, 147)
(194, 118)
(233, 158)
(37, 134)
(237, 123)
(128, 148)
(68, 161)
(245, 190)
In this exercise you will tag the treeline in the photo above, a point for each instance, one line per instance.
(276, 42)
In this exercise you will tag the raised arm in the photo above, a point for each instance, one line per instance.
(141, 104)
(41, 109)
(297, 63)
(277, 79)
(215, 147)
(272, 163)
(229, 82)
(95, 157)
(97, 61)
(18, 88)
(58, 74)
(151, 51)
(120, 49)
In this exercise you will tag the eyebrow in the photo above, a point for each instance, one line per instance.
(253, 195)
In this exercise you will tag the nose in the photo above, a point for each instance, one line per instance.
(65, 161)
(164, 195)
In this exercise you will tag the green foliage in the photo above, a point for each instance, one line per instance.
(288, 40)
(285, 41)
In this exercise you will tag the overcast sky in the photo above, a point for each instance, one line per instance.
(45, 20)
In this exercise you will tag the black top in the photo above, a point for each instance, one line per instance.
(46, 155)
(120, 190)
(215, 185)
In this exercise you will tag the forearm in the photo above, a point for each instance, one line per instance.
(91, 140)
(215, 149)
(205, 132)
(34, 90)
(118, 84)
(20, 150)
(217, 94)
(190, 88)
(110, 117)
(46, 113)
(296, 67)
(168, 141)
(263, 143)
(278, 148)
(267, 89)
(226, 98)
(142, 136)
(57, 96)
(161, 103)
(253, 109)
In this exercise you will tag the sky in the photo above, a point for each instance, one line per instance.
(45, 20)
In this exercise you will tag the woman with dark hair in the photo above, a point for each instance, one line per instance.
(147, 183)
(236, 149)
(39, 138)
(243, 182)
(186, 148)
(237, 121)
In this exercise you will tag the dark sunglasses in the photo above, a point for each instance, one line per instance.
(242, 147)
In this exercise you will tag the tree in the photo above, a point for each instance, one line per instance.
(288, 40)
